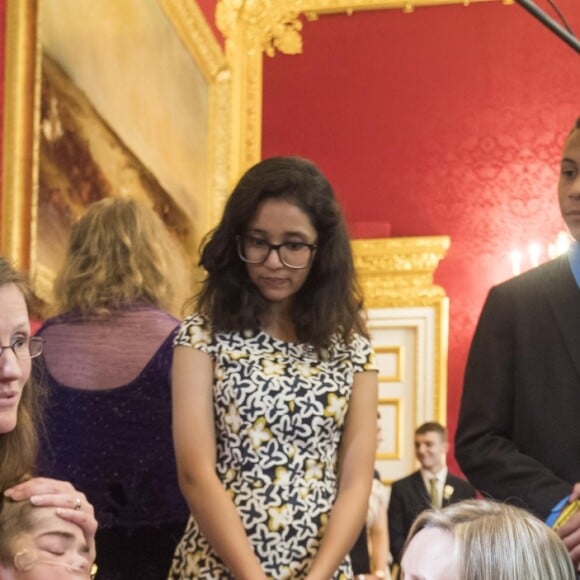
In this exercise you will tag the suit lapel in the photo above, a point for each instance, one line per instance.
(564, 298)
(419, 488)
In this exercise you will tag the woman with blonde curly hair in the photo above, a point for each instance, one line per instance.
(106, 365)
(483, 540)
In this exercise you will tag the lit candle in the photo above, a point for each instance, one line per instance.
(562, 242)
(516, 260)
(534, 251)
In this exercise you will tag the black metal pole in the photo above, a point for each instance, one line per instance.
(570, 39)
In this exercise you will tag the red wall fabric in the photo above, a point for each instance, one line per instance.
(448, 121)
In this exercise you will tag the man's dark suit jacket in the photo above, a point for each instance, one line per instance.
(518, 436)
(409, 498)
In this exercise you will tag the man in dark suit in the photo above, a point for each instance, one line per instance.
(518, 438)
(431, 486)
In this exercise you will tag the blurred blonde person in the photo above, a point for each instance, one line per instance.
(371, 553)
(483, 540)
(377, 527)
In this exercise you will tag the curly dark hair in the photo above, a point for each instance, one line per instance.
(329, 302)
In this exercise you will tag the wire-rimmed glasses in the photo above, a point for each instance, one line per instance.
(25, 347)
(295, 255)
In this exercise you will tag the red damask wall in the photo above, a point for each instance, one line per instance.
(447, 121)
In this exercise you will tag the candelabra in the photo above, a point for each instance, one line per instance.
(535, 252)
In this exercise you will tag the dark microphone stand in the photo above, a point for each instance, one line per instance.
(568, 38)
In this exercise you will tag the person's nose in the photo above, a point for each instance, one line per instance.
(10, 368)
(79, 565)
(273, 259)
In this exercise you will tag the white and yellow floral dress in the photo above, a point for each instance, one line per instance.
(279, 412)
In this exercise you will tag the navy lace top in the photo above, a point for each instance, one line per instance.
(114, 444)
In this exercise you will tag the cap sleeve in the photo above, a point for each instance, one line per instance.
(362, 355)
(195, 332)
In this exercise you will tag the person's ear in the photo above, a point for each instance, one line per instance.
(24, 560)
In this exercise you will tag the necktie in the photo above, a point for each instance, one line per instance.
(434, 492)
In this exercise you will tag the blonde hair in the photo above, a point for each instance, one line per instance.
(117, 256)
(18, 448)
(497, 541)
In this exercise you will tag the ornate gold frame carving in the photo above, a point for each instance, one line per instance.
(398, 272)
(254, 27)
(21, 111)
(190, 24)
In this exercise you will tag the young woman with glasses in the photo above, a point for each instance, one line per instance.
(274, 388)
(20, 414)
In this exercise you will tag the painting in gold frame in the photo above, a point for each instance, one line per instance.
(152, 127)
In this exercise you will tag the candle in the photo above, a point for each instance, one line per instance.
(516, 260)
(534, 252)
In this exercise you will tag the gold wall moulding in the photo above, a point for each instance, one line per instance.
(399, 271)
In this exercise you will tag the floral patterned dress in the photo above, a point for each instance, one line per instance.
(279, 412)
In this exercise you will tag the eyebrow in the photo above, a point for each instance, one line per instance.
(287, 233)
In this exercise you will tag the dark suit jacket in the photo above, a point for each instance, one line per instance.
(518, 436)
(409, 498)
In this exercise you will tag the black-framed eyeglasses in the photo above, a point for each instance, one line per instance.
(25, 347)
(295, 255)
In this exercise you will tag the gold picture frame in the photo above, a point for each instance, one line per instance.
(20, 216)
